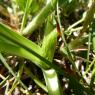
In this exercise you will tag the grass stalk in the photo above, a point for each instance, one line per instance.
(88, 52)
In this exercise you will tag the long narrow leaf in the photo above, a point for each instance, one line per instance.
(48, 49)
(21, 41)
(40, 17)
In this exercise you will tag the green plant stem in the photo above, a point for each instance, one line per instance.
(88, 52)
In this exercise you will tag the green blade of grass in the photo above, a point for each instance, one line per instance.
(20, 51)
(52, 82)
(38, 20)
(17, 50)
(13, 36)
(23, 43)
(48, 49)
(24, 46)
(28, 3)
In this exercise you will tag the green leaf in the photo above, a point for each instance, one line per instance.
(52, 82)
(28, 3)
(21, 42)
(40, 18)
(48, 49)
(49, 45)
